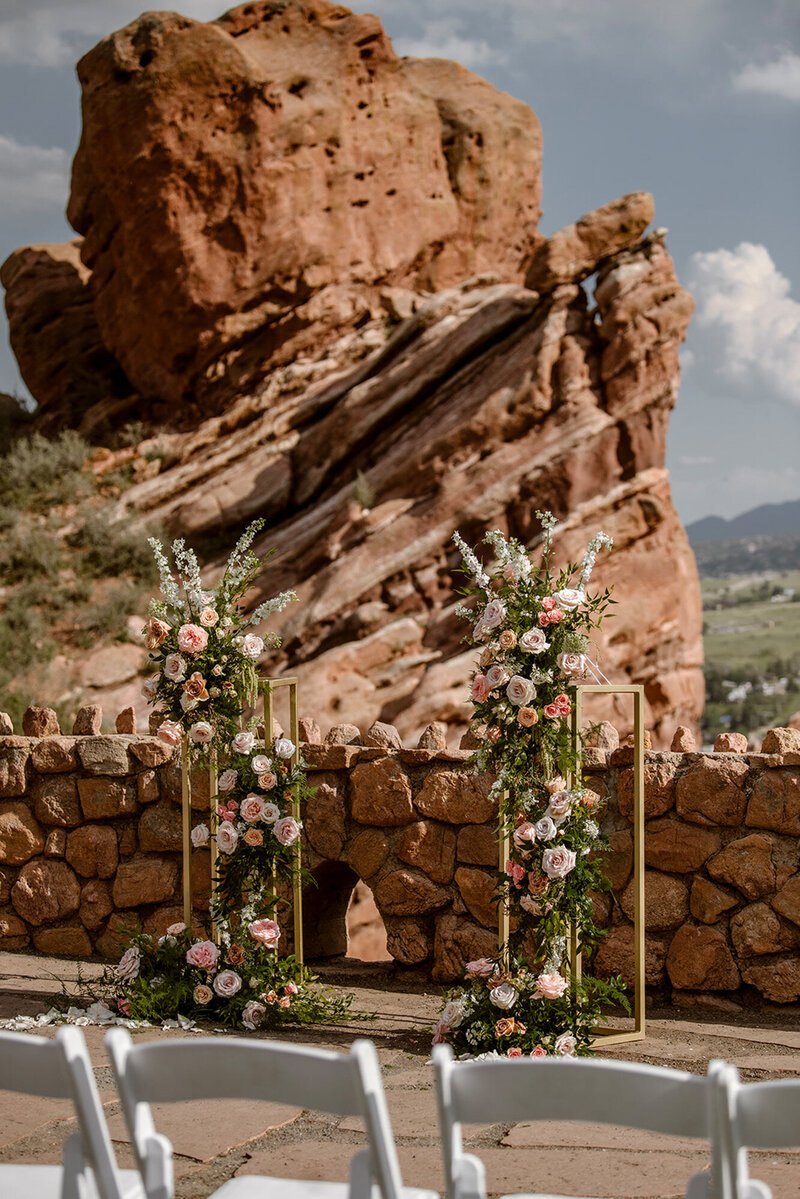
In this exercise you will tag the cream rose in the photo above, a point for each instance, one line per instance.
(266, 931)
(565, 1045)
(203, 955)
(128, 965)
(187, 703)
(267, 781)
(175, 930)
(558, 861)
(493, 614)
(201, 733)
(252, 808)
(243, 743)
(550, 986)
(556, 784)
(534, 642)
(284, 748)
(150, 687)
(504, 996)
(260, 764)
(569, 598)
(520, 691)
(252, 645)
(192, 639)
(169, 732)
(227, 780)
(453, 1013)
(208, 618)
(560, 806)
(253, 1013)
(174, 668)
(227, 983)
(270, 812)
(202, 994)
(530, 905)
(572, 665)
(286, 830)
(524, 836)
(227, 837)
(496, 676)
(545, 829)
(200, 836)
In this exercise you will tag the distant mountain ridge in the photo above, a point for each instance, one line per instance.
(768, 520)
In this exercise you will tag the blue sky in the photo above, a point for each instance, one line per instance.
(697, 101)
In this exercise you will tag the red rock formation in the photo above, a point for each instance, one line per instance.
(245, 183)
(268, 202)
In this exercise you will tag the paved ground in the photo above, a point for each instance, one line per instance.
(214, 1142)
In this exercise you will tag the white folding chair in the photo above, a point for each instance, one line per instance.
(755, 1115)
(630, 1094)
(237, 1068)
(61, 1069)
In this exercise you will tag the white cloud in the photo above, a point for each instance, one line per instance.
(436, 43)
(32, 178)
(752, 323)
(687, 460)
(687, 358)
(778, 78)
(49, 33)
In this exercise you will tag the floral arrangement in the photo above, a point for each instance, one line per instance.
(203, 645)
(241, 982)
(533, 629)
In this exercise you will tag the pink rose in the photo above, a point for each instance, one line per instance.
(227, 836)
(563, 701)
(440, 1031)
(495, 676)
(128, 965)
(285, 1002)
(572, 665)
(544, 618)
(515, 872)
(534, 642)
(252, 808)
(480, 968)
(514, 1051)
(550, 986)
(286, 830)
(267, 780)
(253, 1013)
(203, 954)
(558, 861)
(170, 732)
(552, 711)
(202, 994)
(539, 1051)
(252, 645)
(493, 614)
(555, 617)
(290, 989)
(548, 603)
(201, 733)
(243, 742)
(480, 689)
(227, 780)
(174, 668)
(192, 639)
(524, 836)
(565, 1045)
(227, 983)
(155, 632)
(208, 618)
(266, 931)
(175, 930)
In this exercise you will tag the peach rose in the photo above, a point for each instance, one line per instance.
(155, 632)
(538, 883)
(208, 618)
(539, 1051)
(479, 692)
(266, 931)
(556, 784)
(202, 994)
(252, 808)
(527, 717)
(203, 954)
(504, 1027)
(550, 986)
(192, 639)
(169, 732)
(486, 658)
(267, 780)
(508, 639)
(254, 837)
(235, 955)
(195, 686)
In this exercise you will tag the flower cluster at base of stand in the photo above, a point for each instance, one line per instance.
(204, 646)
(240, 983)
(533, 628)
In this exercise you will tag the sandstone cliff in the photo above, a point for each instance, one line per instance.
(318, 266)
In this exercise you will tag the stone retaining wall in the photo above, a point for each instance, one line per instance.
(90, 838)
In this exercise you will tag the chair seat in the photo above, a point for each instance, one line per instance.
(258, 1186)
(44, 1182)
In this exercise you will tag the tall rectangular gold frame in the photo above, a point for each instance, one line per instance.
(607, 1036)
(266, 688)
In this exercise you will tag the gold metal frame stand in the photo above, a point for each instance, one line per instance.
(266, 688)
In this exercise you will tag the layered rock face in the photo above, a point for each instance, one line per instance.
(320, 264)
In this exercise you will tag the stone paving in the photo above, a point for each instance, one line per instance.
(217, 1141)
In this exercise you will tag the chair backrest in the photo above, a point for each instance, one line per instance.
(61, 1069)
(580, 1089)
(755, 1115)
(237, 1068)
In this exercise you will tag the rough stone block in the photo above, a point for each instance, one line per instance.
(477, 845)
(730, 743)
(659, 788)
(775, 802)
(381, 793)
(433, 737)
(778, 979)
(40, 722)
(746, 864)
(54, 755)
(7, 877)
(6, 725)
(144, 879)
(161, 828)
(787, 901)
(96, 903)
(88, 721)
(309, 730)
(457, 797)
(92, 851)
(385, 736)
(457, 941)
(699, 960)
(781, 741)
(368, 852)
(114, 938)
(678, 847)
(56, 843)
(126, 721)
(147, 788)
(105, 798)
(104, 755)
(616, 955)
(330, 757)
(617, 860)
(324, 818)
(71, 941)
(757, 930)
(45, 890)
(21, 837)
(666, 901)
(683, 740)
(343, 734)
(127, 840)
(431, 847)
(151, 751)
(408, 940)
(712, 792)
(14, 933)
(55, 800)
(408, 893)
(479, 892)
(707, 901)
(14, 754)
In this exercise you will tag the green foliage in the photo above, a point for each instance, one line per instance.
(38, 472)
(363, 491)
(112, 547)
